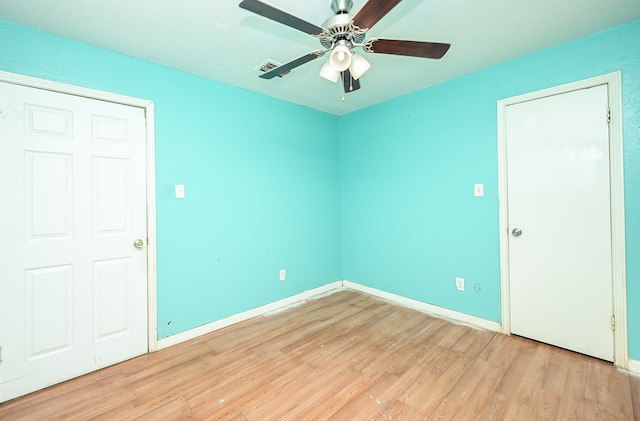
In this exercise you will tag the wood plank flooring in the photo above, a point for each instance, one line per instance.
(344, 356)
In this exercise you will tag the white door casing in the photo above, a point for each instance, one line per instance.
(519, 298)
(75, 199)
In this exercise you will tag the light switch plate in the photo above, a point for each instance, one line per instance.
(478, 190)
(180, 193)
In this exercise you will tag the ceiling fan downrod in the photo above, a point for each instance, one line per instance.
(341, 6)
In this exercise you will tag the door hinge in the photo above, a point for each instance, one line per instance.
(613, 322)
(0, 355)
(608, 116)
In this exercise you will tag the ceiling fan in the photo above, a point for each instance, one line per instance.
(340, 34)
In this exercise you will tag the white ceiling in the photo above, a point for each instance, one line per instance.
(218, 40)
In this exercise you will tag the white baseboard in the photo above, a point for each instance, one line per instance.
(267, 308)
(451, 315)
(298, 299)
(285, 303)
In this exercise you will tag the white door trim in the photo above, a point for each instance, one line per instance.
(613, 80)
(148, 106)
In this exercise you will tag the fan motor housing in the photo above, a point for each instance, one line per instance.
(340, 26)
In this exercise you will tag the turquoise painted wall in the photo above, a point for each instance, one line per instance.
(382, 196)
(261, 179)
(410, 221)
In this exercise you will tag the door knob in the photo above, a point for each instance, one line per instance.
(517, 232)
(138, 243)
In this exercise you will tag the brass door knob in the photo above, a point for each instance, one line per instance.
(138, 243)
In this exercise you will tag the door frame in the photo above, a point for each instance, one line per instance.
(148, 107)
(616, 180)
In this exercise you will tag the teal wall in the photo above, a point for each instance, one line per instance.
(408, 166)
(382, 196)
(261, 179)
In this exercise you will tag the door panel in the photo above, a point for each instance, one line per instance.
(110, 207)
(49, 310)
(559, 197)
(112, 304)
(48, 195)
(74, 201)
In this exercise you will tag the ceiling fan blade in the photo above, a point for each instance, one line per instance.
(349, 83)
(285, 68)
(278, 15)
(372, 12)
(407, 48)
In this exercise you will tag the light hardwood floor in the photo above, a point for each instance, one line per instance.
(345, 356)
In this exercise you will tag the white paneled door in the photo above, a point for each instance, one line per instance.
(73, 287)
(559, 206)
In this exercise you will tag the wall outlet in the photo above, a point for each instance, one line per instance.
(460, 284)
(283, 274)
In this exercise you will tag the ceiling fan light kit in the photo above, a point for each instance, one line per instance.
(340, 34)
(340, 58)
(329, 72)
(359, 66)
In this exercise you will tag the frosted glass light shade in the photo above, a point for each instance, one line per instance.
(340, 58)
(359, 66)
(329, 73)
